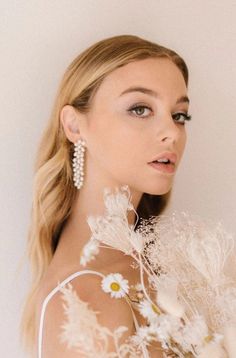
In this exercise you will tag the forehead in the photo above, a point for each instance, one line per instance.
(158, 74)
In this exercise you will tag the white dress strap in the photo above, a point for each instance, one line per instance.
(50, 295)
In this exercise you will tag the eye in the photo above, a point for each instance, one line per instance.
(186, 117)
(139, 110)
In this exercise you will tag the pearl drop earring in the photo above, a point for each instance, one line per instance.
(78, 163)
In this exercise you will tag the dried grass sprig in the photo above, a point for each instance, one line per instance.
(83, 333)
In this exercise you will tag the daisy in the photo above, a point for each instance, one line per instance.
(149, 310)
(116, 285)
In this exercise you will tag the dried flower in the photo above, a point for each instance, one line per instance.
(192, 334)
(167, 296)
(89, 251)
(82, 328)
(189, 264)
(83, 334)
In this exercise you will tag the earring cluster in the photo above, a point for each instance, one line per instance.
(78, 163)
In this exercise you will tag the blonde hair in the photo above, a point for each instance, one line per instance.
(53, 188)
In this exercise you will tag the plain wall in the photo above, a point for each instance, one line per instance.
(38, 39)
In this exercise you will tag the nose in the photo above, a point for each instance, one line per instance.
(167, 129)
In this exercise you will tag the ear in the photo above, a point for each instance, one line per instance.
(69, 118)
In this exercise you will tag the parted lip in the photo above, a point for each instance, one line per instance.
(168, 155)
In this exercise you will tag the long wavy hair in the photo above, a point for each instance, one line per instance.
(53, 187)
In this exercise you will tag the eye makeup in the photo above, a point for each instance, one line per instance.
(134, 109)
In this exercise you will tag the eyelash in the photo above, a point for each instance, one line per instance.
(186, 116)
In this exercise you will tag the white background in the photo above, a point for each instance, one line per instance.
(38, 39)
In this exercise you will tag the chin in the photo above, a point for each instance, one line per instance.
(151, 187)
(158, 189)
(157, 192)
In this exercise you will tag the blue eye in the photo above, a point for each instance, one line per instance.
(184, 115)
(139, 113)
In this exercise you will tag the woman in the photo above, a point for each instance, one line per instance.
(122, 106)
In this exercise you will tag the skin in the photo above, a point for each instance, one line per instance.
(119, 144)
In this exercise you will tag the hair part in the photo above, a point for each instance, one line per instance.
(53, 188)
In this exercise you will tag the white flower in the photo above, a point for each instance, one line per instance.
(149, 310)
(167, 296)
(116, 285)
(89, 251)
(112, 228)
(143, 335)
(136, 241)
(166, 326)
(193, 333)
(118, 202)
(138, 287)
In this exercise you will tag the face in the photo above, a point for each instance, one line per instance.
(124, 132)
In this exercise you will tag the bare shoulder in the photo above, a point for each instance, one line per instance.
(111, 313)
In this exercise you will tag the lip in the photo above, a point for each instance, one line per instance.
(168, 155)
(164, 168)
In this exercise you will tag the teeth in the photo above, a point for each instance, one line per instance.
(164, 160)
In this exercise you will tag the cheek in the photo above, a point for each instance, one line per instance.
(115, 144)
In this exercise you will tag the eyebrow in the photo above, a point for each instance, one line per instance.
(152, 93)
